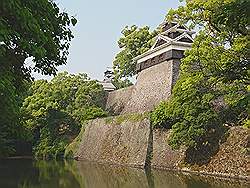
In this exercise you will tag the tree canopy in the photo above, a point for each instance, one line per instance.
(134, 42)
(28, 29)
(55, 110)
(37, 30)
(212, 92)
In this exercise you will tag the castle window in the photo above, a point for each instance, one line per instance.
(143, 65)
(153, 60)
(161, 57)
(148, 63)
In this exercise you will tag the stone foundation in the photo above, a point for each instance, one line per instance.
(117, 100)
(153, 85)
(163, 155)
(129, 140)
(118, 140)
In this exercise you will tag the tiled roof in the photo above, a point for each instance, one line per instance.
(107, 85)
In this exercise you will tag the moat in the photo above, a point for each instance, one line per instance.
(27, 173)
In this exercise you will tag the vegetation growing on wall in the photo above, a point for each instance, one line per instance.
(135, 117)
(72, 148)
(213, 89)
(55, 110)
(27, 29)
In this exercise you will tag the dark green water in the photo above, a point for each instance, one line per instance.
(26, 173)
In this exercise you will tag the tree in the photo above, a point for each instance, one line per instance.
(134, 41)
(37, 30)
(54, 111)
(27, 29)
(213, 89)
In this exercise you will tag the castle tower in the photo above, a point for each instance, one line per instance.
(170, 44)
(158, 69)
(107, 81)
(157, 72)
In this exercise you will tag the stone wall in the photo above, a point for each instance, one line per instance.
(117, 100)
(232, 157)
(175, 70)
(163, 155)
(119, 140)
(153, 85)
(126, 140)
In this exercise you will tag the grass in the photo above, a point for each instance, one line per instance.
(133, 118)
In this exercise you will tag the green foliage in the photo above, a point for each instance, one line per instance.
(28, 29)
(246, 124)
(54, 111)
(213, 88)
(188, 112)
(9, 112)
(134, 41)
(230, 16)
(38, 30)
(74, 145)
(11, 97)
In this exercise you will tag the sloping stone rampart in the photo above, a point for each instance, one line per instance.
(233, 156)
(117, 141)
(163, 155)
(153, 85)
(125, 140)
(118, 99)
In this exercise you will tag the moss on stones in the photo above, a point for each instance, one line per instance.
(74, 145)
(133, 118)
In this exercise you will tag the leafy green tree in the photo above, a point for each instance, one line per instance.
(54, 111)
(28, 29)
(37, 30)
(213, 89)
(134, 41)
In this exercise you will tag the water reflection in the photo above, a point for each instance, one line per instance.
(25, 173)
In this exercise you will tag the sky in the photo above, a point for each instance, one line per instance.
(99, 27)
